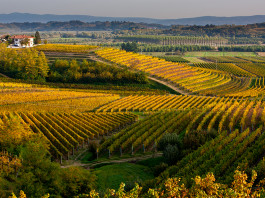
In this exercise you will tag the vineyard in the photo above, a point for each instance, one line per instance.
(203, 80)
(158, 103)
(65, 48)
(174, 59)
(176, 40)
(222, 114)
(218, 115)
(227, 67)
(31, 97)
(66, 131)
(222, 156)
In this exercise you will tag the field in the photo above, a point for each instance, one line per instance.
(214, 117)
(189, 79)
(111, 176)
(154, 53)
(204, 54)
(261, 53)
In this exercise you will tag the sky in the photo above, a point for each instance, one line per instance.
(164, 9)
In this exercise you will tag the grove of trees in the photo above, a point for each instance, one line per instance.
(92, 72)
(27, 64)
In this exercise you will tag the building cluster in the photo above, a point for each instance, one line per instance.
(18, 40)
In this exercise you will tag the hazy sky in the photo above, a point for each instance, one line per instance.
(137, 8)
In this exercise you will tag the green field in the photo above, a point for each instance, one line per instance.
(111, 176)
(203, 54)
(154, 53)
(194, 60)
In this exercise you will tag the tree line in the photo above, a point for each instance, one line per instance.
(30, 64)
(175, 40)
(27, 64)
(249, 31)
(175, 48)
(76, 25)
(92, 72)
(252, 48)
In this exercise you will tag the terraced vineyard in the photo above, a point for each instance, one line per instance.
(227, 67)
(65, 48)
(228, 59)
(223, 115)
(177, 59)
(220, 120)
(222, 156)
(255, 59)
(185, 76)
(255, 68)
(203, 80)
(50, 100)
(65, 131)
(44, 95)
(52, 56)
(158, 103)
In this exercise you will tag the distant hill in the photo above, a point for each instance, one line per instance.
(25, 17)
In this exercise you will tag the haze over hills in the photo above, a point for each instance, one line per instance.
(26, 17)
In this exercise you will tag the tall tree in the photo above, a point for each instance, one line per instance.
(37, 39)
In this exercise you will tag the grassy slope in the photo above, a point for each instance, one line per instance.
(155, 85)
(111, 176)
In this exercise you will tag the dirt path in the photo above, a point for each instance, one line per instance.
(175, 88)
(169, 85)
(98, 59)
(3, 75)
(132, 159)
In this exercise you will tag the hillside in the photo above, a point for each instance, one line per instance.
(26, 17)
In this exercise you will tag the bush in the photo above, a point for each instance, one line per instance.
(169, 138)
(172, 154)
(93, 146)
(160, 168)
(171, 145)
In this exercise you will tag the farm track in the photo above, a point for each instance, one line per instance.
(3, 75)
(131, 159)
(169, 85)
(95, 58)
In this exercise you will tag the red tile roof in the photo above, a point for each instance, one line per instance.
(21, 37)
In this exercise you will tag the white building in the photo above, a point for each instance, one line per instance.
(20, 38)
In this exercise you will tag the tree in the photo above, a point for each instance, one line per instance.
(37, 39)
(130, 47)
(171, 145)
(77, 180)
(24, 41)
(39, 175)
(42, 65)
(12, 134)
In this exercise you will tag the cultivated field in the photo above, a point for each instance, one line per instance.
(217, 117)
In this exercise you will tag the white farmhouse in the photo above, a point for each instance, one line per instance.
(18, 39)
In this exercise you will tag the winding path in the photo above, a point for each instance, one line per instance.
(169, 85)
(131, 159)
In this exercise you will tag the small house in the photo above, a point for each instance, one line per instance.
(23, 41)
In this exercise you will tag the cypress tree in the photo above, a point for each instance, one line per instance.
(37, 38)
